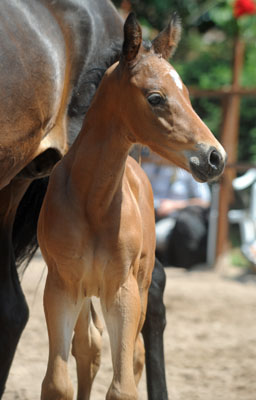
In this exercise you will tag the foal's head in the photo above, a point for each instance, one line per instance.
(155, 105)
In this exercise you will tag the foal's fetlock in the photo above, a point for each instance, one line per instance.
(57, 391)
(116, 394)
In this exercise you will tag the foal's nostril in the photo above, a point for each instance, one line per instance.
(207, 163)
(214, 159)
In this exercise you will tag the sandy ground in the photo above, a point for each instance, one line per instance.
(210, 338)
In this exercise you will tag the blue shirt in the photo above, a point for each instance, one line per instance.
(174, 183)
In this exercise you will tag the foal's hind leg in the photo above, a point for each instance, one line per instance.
(122, 314)
(152, 331)
(86, 348)
(62, 304)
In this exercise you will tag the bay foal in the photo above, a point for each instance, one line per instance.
(96, 227)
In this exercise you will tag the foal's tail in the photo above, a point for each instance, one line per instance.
(25, 224)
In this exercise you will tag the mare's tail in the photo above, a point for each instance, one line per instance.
(25, 224)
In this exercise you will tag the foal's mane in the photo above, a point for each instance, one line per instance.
(90, 78)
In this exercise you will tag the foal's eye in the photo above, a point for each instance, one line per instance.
(155, 99)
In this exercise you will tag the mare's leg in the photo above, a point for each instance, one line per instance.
(62, 304)
(13, 306)
(122, 313)
(13, 309)
(86, 348)
(153, 336)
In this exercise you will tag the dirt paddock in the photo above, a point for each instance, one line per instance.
(210, 338)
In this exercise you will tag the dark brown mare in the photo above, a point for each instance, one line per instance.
(96, 231)
(53, 54)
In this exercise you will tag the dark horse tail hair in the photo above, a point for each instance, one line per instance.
(25, 224)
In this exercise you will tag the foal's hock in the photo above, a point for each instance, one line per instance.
(96, 227)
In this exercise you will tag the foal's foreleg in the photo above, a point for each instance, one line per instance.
(62, 304)
(122, 315)
(86, 348)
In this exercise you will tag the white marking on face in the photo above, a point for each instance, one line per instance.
(175, 76)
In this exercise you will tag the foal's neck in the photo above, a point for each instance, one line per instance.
(99, 157)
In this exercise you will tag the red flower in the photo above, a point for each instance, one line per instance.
(244, 7)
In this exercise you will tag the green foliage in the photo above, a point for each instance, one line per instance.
(158, 12)
(249, 75)
(247, 138)
(208, 69)
(247, 27)
(222, 16)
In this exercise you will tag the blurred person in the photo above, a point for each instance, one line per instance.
(181, 208)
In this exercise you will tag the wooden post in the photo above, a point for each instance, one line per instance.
(229, 140)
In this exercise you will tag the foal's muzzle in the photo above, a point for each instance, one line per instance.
(207, 165)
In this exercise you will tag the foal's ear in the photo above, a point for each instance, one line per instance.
(132, 38)
(167, 40)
